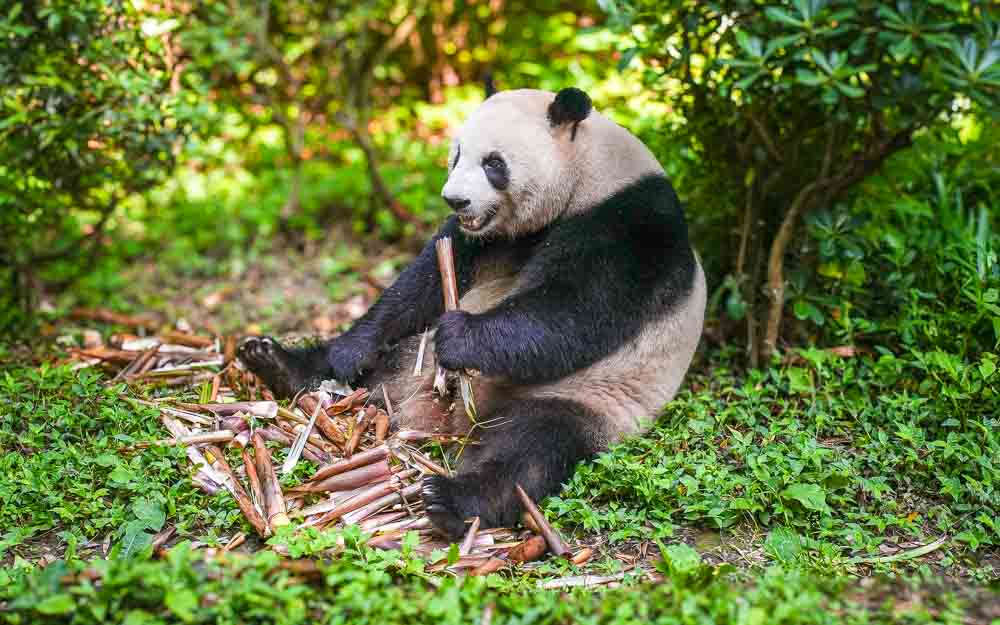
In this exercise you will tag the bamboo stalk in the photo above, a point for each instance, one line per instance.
(259, 409)
(552, 538)
(201, 438)
(348, 480)
(188, 340)
(582, 556)
(274, 500)
(357, 460)
(213, 395)
(239, 494)
(378, 522)
(449, 287)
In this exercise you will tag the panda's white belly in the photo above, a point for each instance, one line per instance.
(631, 385)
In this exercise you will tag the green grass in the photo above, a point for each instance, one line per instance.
(839, 455)
(65, 484)
(360, 585)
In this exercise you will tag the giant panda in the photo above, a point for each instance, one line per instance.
(581, 299)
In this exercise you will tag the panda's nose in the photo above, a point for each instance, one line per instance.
(456, 203)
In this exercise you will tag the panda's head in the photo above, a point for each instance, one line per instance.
(525, 158)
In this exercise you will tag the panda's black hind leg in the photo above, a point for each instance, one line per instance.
(536, 443)
(284, 371)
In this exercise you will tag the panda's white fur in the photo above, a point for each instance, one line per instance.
(582, 303)
(554, 176)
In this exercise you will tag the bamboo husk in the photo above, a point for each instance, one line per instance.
(490, 566)
(385, 492)
(256, 488)
(106, 354)
(349, 479)
(552, 538)
(582, 556)
(363, 513)
(529, 550)
(361, 425)
(274, 500)
(279, 436)
(259, 409)
(332, 501)
(317, 441)
(379, 522)
(243, 500)
(357, 460)
(382, 423)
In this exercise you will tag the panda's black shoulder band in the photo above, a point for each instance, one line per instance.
(570, 106)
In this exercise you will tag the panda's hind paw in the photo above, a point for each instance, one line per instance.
(442, 506)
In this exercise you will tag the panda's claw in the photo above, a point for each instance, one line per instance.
(272, 363)
(441, 507)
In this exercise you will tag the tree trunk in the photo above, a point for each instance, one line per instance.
(776, 267)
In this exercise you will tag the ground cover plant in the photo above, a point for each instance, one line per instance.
(850, 476)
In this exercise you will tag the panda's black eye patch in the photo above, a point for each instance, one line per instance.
(496, 171)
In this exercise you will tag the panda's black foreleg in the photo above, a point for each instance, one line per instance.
(285, 371)
(536, 443)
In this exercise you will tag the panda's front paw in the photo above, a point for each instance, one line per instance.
(349, 357)
(453, 341)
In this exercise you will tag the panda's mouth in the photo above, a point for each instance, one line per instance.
(475, 223)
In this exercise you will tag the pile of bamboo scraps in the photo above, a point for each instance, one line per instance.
(365, 476)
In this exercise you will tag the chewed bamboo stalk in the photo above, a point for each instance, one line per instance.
(274, 500)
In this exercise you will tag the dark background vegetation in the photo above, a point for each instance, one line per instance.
(268, 166)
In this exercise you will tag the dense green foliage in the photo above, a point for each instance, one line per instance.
(88, 118)
(202, 144)
(792, 105)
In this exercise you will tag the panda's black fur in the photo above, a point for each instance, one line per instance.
(587, 285)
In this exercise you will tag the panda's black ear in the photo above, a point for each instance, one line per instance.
(570, 105)
(489, 87)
